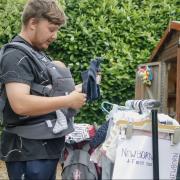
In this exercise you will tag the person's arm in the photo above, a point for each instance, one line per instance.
(23, 103)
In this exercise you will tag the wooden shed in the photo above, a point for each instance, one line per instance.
(164, 63)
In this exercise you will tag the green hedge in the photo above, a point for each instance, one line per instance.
(123, 32)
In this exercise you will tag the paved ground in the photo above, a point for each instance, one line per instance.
(3, 173)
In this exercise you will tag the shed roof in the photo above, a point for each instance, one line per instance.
(174, 25)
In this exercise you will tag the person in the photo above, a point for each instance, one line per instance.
(29, 147)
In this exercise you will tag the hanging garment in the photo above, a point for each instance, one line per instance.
(100, 135)
(90, 86)
(142, 106)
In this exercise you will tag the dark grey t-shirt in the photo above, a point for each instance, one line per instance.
(18, 67)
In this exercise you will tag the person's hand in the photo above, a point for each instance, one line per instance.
(78, 88)
(98, 78)
(59, 64)
(77, 99)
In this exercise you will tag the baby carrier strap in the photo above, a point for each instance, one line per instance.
(41, 61)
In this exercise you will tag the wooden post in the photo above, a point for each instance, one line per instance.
(178, 85)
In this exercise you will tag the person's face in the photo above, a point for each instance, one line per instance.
(44, 34)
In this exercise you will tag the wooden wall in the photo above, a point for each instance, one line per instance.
(166, 77)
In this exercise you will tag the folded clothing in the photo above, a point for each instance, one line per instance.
(81, 133)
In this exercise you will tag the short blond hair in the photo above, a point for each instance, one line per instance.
(44, 9)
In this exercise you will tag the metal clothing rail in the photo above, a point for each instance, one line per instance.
(155, 148)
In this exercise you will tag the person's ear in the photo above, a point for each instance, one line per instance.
(33, 23)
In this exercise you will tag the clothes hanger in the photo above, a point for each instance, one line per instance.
(146, 125)
(106, 107)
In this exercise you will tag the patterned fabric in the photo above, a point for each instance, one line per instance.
(100, 135)
(81, 133)
(61, 122)
(142, 106)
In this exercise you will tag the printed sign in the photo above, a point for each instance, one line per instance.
(134, 159)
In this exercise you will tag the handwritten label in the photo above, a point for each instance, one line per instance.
(134, 159)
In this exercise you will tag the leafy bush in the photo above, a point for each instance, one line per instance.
(123, 32)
